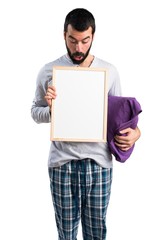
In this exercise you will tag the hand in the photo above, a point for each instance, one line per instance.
(127, 141)
(51, 94)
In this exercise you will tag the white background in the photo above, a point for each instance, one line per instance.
(31, 35)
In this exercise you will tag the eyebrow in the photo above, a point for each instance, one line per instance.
(76, 39)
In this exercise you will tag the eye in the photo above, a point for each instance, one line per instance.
(85, 41)
(73, 41)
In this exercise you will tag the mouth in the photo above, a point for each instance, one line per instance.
(78, 58)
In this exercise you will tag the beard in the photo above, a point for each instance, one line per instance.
(78, 54)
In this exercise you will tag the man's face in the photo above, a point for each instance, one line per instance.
(78, 44)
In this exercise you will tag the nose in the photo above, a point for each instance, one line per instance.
(78, 47)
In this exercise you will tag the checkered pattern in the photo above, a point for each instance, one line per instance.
(81, 190)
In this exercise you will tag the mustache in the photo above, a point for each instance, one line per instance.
(78, 54)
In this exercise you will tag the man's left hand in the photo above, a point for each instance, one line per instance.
(127, 141)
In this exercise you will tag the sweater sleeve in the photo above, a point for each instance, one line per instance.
(40, 110)
(114, 82)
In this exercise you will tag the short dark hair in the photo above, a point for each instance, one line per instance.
(80, 19)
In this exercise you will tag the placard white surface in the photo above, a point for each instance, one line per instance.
(80, 109)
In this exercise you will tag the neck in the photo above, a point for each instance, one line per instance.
(88, 61)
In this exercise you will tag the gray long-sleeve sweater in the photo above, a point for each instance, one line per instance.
(63, 152)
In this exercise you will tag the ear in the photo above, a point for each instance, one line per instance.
(64, 34)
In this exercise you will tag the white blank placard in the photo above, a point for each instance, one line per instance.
(80, 109)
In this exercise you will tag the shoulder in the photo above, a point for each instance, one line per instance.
(112, 70)
(58, 62)
(46, 71)
(114, 86)
(104, 64)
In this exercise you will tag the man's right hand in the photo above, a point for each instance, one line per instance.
(50, 94)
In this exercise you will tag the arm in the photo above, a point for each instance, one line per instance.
(40, 110)
(127, 141)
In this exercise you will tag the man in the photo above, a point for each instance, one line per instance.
(80, 173)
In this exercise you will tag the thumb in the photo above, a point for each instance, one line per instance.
(125, 131)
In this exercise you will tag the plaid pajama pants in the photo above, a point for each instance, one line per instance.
(80, 190)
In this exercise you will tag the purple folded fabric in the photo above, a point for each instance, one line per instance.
(122, 113)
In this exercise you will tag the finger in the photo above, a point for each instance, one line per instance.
(51, 95)
(51, 89)
(125, 131)
(121, 140)
(118, 144)
(122, 147)
(48, 97)
(125, 146)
